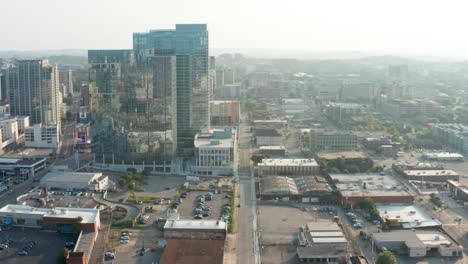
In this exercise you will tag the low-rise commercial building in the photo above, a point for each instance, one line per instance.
(75, 181)
(268, 137)
(195, 229)
(330, 140)
(225, 113)
(271, 124)
(381, 188)
(39, 136)
(216, 153)
(407, 216)
(306, 189)
(417, 243)
(193, 251)
(58, 219)
(274, 151)
(25, 167)
(431, 175)
(322, 242)
(53, 219)
(443, 156)
(288, 167)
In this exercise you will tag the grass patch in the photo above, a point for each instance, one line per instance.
(146, 199)
(123, 224)
(231, 214)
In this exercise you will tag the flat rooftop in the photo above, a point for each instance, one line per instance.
(430, 173)
(298, 185)
(195, 224)
(89, 215)
(18, 161)
(193, 251)
(409, 215)
(272, 148)
(341, 154)
(364, 184)
(288, 162)
(216, 138)
(435, 155)
(323, 226)
(419, 238)
(66, 176)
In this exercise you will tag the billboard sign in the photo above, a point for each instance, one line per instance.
(80, 138)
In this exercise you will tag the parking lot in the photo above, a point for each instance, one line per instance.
(47, 248)
(130, 252)
(187, 206)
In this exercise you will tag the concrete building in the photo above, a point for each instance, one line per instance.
(288, 167)
(417, 243)
(322, 242)
(230, 91)
(229, 76)
(12, 130)
(353, 188)
(75, 181)
(66, 80)
(459, 189)
(443, 156)
(33, 87)
(406, 216)
(39, 136)
(340, 112)
(305, 189)
(195, 229)
(454, 135)
(330, 140)
(291, 106)
(216, 153)
(410, 108)
(357, 90)
(399, 167)
(225, 113)
(268, 137)
(375, 143)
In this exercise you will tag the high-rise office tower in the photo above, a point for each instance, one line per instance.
(398, 85)
(3, 86)
(33, 87)
(162, 112)
(189, 44)
(66, 80)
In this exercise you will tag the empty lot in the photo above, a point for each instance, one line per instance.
(278, 225)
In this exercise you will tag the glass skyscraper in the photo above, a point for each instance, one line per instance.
(152, 99)
(189, 44)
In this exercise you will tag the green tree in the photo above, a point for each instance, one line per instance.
(386, 257)
(257, 158)
(62, 257)
(366, 203)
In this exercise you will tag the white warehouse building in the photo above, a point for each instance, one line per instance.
(75, 181)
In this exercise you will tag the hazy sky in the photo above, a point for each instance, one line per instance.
(388, 26)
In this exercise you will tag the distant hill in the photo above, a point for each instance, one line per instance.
(28, 54)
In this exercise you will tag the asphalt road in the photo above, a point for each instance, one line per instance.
(247, 245)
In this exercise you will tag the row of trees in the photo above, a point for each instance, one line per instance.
(350, 166)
